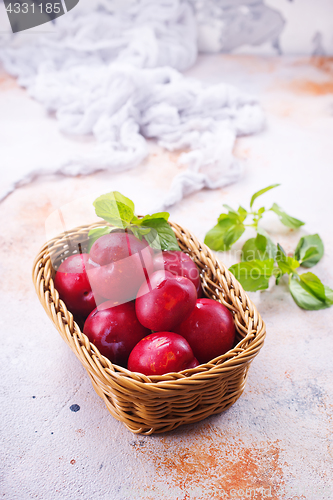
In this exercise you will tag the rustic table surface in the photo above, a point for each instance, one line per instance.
(58, 439)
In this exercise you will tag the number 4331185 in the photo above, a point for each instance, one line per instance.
(25, 8)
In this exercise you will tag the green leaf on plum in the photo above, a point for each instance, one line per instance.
(139, 231)
(161, 236)
(115, 208)
(118, 210)
(158, 215)
(96, 233)
(122, 199)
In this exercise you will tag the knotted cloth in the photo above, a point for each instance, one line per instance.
(115, 72)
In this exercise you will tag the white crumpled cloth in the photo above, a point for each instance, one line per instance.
(115, 73)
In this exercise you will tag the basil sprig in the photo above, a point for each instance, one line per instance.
(119, 211)
(261, 258)
(230, 226)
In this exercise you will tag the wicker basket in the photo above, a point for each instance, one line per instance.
(159, 403)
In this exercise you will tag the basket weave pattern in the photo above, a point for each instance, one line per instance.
(159, 403)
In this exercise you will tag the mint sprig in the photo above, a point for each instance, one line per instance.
(119, 211)
(306, 289)
(231, 225)
(262, 259)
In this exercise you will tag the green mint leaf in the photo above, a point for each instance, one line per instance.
(262, 231)
(222, 236)
(286, 219)
(239, 214)
(233, 234)
(329, 296)
(313, 283)
(305, 292)
(232, 217)
(115, 208)
(286, 264)
(261, 242)
(122, 199)
(250, 251)
(303, 298)
(309, 256)
(228, 230)
(214, 238)
(271, 249)
(119, 211)
(278, 274)
(230, 209)
(281, 254)
(242, 212)
(268, 247)
(260, 248)
(309, 250)
(158, 215)
(253, 275)
(139, 232)
(161, 236)
(262, 191)
(96, 233)
(228, 220)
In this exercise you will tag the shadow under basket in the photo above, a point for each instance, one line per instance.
(157, 404)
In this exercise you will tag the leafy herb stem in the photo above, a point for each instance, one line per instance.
(261, 258)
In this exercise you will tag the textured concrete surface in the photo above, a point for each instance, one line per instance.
(58, 440)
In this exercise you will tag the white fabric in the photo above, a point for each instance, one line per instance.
(115, 74)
